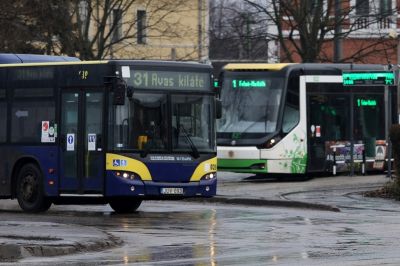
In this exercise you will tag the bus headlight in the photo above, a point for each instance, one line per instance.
(127, 175)
(209, 176)
(271, 142)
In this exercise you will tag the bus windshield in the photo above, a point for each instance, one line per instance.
(250, 102)
(160, 122)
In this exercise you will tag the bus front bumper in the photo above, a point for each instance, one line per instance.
(160, 190)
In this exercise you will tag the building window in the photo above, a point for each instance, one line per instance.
(385, 8)
(313, 6)
(141, 26)
(362, 8)
(117, 25)
(362, 14)
(385, 14)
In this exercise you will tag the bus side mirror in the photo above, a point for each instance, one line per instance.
(218, 108)
(217, 87)
(119, 88)
(129, 92)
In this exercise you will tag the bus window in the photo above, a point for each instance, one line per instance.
(149, 121)
(191, 121)
(27, 119)
(331, 114)
(291, 115)
(3, 121)
(290, 118)
(141, 123)
(250, 108)
(118, 125)
(368, 123)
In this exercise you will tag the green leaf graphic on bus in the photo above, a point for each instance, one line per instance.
(299, 165)
(298, 157)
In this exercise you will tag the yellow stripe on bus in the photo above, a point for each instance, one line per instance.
(118, 162)
(256, 66)
(206, 167)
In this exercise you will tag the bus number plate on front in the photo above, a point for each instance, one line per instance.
(172, 191)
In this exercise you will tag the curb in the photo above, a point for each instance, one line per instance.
(14, 252)
(259, 202)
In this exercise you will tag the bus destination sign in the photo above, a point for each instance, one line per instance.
(179, 80)
(382, 78)
(249, 84)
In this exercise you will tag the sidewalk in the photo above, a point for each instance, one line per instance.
(236, 188)
(23, 239)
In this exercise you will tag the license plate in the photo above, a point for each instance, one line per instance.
(172, 191)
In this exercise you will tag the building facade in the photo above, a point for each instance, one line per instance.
(147, 29)
(368, 29)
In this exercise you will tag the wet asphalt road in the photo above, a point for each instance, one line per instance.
(182, 233)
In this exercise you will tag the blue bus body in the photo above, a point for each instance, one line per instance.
(64, 138)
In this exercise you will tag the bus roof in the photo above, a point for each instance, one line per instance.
(304, 67)
(8, 60)
(33, 58)
(255, 66)
(53, 64)
(162, 63)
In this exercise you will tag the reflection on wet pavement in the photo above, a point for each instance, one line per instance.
(200, 234)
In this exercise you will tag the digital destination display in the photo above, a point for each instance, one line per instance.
(150, 79)
(249, 83)
(366, 102)
(368, 78)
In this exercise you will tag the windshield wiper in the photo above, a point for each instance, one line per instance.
(191, 144)
(146, 149)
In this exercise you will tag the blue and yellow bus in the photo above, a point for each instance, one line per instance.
(116, 131)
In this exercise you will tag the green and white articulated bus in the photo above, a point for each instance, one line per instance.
(303, 118)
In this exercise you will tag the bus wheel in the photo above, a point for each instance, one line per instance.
(125, 205)
(30, 189)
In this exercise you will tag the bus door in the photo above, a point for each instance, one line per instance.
(82, 142)
(328, 125)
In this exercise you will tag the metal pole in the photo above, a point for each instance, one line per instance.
(387, 125)
(334, 161)
(351, 135)
(337, 39)
(200, 29)
(397, 72)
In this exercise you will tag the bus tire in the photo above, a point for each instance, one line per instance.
(30, 189)
(124, 205)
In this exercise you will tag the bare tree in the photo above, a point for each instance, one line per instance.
(93, 29)
(103, 28)
(306, 27)
(239, 31)
(18, 27)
